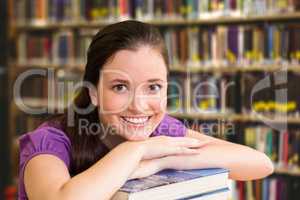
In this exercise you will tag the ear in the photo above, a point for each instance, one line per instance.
(94, 96)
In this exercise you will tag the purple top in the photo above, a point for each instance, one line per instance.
(47, 139)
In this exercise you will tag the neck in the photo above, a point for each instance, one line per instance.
(111, 140)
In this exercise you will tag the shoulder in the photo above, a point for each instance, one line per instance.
(46, 139)
(170, 126)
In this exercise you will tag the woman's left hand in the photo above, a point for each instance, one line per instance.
(152, 166)
(147, 168)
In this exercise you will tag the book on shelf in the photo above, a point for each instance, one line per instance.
(178, 184)
(282, 147)
(43, 11)
(82, 44)
(205, 94)
(188, 47)
(49, 92)
(202, 93)
(233, 45)
(176, 93)
(25, 122)
(270, 94)
(274, 187)
(34, 86)
(42, 49)
(63, 47)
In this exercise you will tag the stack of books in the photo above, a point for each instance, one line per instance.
(200, 184)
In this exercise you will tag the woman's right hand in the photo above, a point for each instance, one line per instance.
(161, 146)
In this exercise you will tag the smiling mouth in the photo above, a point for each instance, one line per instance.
(137, 121)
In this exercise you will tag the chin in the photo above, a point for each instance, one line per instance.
(137, 137)
(132, 134)
(138, 127)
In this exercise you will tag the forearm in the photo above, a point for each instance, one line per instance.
(105, 177)
(244, 163)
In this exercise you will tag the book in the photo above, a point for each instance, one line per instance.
(63, 30)
(221, 194)
(188, 47)
(175, 184)
(275, 187)
(43, 11)
(269, 100)
(211, 93)
(177, 94)
(282, 147)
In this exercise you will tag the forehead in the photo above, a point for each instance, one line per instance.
(139, 65)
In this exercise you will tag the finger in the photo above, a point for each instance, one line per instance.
(189, 142)
(184, 150)
(202, 143)
(183, 141)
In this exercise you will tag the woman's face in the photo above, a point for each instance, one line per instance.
(132, 92)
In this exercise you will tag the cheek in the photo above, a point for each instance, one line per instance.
(160, 102)
(111, 103)
(158, 105)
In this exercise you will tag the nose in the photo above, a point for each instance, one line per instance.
(139, 103)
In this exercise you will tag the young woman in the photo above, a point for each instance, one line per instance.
(126, 133)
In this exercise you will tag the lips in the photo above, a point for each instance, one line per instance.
(139, 121)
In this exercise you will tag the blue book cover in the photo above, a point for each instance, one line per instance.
(212, 194)
(166, 177)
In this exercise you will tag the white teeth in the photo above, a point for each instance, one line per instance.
(135, 120)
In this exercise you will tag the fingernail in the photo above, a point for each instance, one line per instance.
(191, 150)
(204, 141)
(196, 141)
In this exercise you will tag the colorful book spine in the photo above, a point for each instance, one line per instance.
(42, 11)
(282, 147)
(272, 188)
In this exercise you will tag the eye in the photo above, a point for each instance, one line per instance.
(120, 88)
(155, 88)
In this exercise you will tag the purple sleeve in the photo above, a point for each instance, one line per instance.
(170, 126)
(43, 140)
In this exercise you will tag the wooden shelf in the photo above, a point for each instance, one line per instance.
(19, 68)
(235, 117)
(49, 65)
(277, 17)
(213, 69)
(286, 171)
(231, 19)
(235, 69)
(41, 103)
(91, 27)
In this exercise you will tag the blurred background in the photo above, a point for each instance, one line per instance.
(235, 67)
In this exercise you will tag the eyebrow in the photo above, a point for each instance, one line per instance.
(126, 81)
(120, 80)
(154, 80)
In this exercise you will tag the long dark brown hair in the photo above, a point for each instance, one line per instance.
(88, 148)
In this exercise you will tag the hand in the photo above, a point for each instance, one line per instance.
(160, 146)
(183, 162)
(178, 162)
(147, 168)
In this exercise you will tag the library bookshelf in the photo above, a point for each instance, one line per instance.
(266, 41)
(272, 18)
